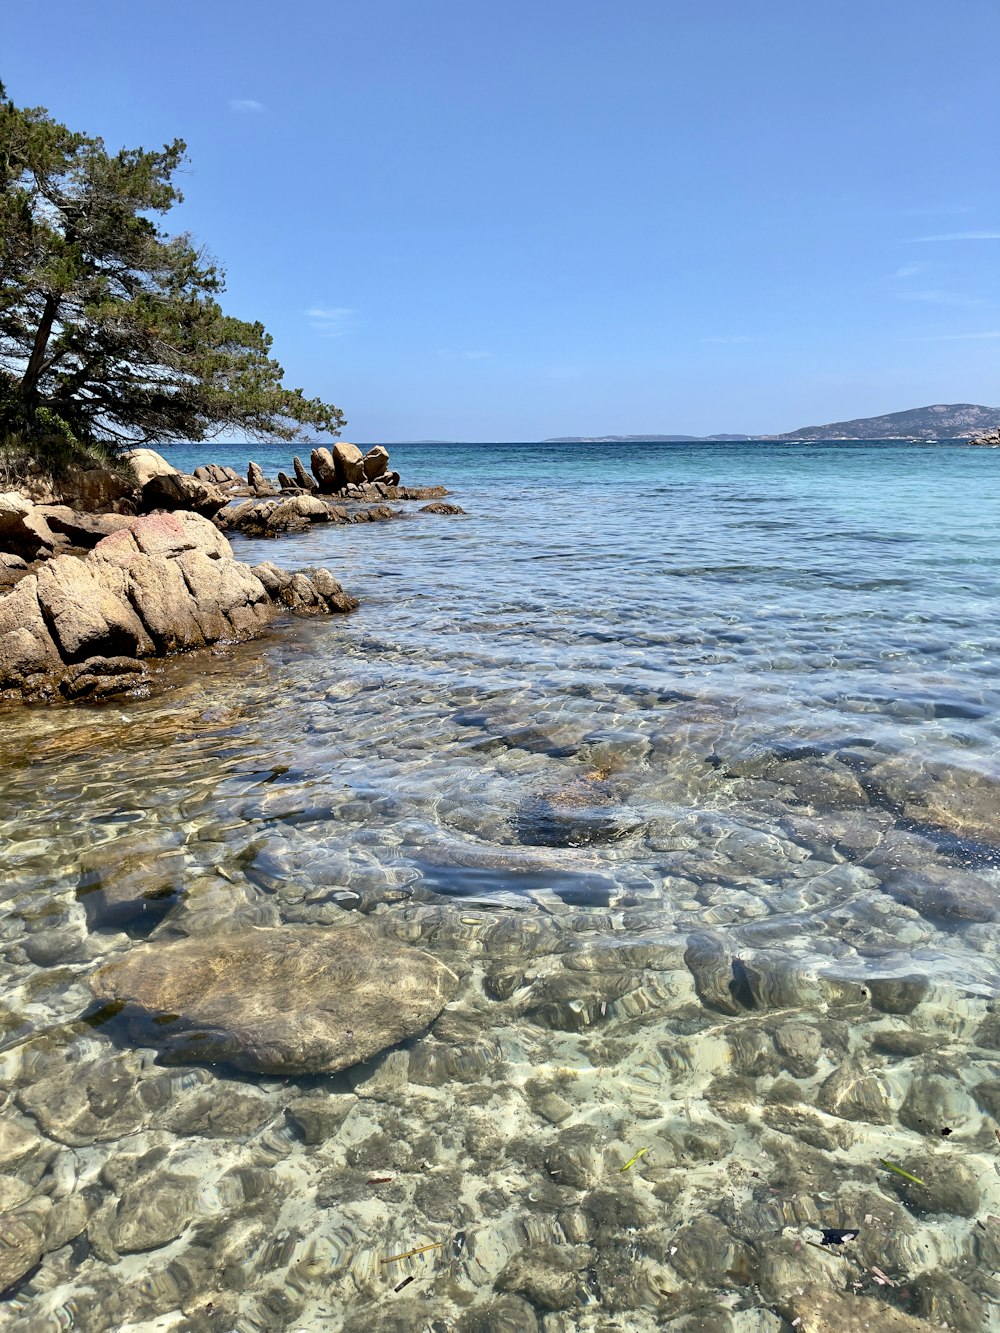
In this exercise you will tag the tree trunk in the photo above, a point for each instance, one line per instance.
(32, 374)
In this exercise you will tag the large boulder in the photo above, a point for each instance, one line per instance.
(257, 482)
(376, 462)
(321, 462)
(165, 583)
(285, 1000)
(177, 490)
(302, 477)
(26, 647)
(24, 529)
(85, 618)
(147, 464)
(84, 530)
(348, 464)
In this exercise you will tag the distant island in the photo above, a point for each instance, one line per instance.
(941, 421)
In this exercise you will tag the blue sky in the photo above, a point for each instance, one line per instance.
(468, 219)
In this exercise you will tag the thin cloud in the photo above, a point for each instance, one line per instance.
(936, 297)
(910, 270)
(955, 337)
(958, 236)
(245, 104)
(329, 321)
(476, 356)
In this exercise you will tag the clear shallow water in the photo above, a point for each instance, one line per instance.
(685, 759)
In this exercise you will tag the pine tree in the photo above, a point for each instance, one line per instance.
(111, 333)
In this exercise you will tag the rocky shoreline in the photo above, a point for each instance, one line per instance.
(109, 571)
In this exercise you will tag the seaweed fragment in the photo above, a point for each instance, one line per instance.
(898, 1170)
(632, 1160)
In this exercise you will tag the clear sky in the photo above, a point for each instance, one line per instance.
(510, 219)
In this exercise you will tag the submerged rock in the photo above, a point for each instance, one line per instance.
(21, 1244)
(960, 801)
(282, 1000)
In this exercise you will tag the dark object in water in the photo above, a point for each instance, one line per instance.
(405, 1283)
(837, 1235)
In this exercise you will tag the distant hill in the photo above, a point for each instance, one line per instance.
(942, 421)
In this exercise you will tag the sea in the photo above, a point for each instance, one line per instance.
(684, 758)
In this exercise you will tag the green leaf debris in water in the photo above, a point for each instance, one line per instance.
(632, 1160)
(891, 1166)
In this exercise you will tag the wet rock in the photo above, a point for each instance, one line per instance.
(67, 1220)
(710, 961)
(987, 1094)
(317, 1119)
(784, 1266)
(707, 1252)
(822, 1308)
(936, 1100)
(550, 1276)
(553, 1108)
(941, 893)
(801, 1045)
(441, 507)
(826, 785)
(854, 1093)
(119, 884)
(79, 1105)
(306, 592)
(283, 1000)
(153, 1212)
(219, 1110)
(22, 1236)
(508, 1314)
(571, 818)
(949, 1184)
(19, 1141)
(806, 1125)
(942, 1300)
(901, 1041)
(573, 1159)
(418, 492)
(102, 677)
(897, 995)
(958, 800)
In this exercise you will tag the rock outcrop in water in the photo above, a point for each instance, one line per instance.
(161, 584)
(280, 1001)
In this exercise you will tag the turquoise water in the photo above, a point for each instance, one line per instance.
(685, 759)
